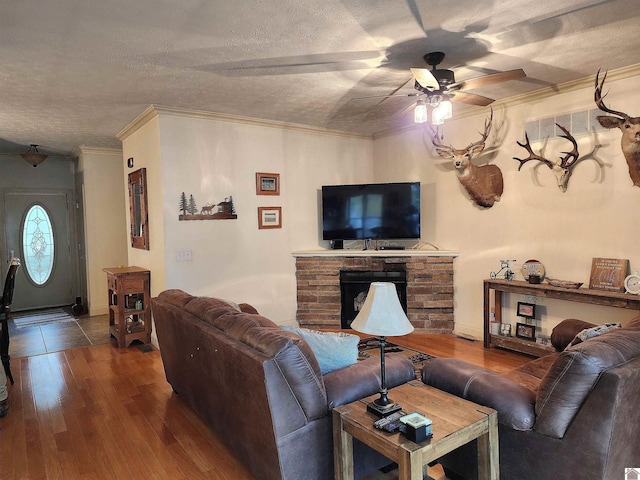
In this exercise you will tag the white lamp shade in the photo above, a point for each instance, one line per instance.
(382, 315)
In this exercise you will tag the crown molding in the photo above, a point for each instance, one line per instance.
(530, 97)
(148, 114)
(156, 110)
(84, 149)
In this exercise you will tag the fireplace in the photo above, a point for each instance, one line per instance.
(429, 285)
(354, 286)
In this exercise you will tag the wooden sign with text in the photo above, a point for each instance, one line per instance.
(608, 274)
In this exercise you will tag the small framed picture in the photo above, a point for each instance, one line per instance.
(269, 217)
(526, 310)
(525, 331)
(267, 183)
(505, 329)
(544, 340)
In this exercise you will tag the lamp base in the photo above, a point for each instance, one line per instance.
(383, 411)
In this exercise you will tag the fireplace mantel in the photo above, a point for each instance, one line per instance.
(429, 284)
(375, 253)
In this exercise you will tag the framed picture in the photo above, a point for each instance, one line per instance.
(267, 183)
(526, 310)
(269, 217)
(505, 329)
(525, 331)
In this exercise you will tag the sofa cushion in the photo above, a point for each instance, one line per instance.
(333, 351)
(574, 373)
(634, 323)
(246, 308)
(176, 297)
(513, 402)
(531, 373)
(588, 333)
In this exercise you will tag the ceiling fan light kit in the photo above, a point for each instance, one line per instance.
(420, 114)
(443, 111)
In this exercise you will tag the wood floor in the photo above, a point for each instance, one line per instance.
(99, 412)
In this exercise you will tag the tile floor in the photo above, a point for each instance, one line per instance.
(83, 331)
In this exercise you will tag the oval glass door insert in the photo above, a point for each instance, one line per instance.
(37, 244)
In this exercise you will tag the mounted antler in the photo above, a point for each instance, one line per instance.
(483, 183)
(473, 149)
(599, 99)
(562, 169)
(630, 127)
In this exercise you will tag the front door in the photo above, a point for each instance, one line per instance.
(38, 231)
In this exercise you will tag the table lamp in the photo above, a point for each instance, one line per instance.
(382, 316)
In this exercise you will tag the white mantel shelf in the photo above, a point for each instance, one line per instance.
(375, 253)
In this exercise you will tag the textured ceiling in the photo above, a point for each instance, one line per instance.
(75, 73)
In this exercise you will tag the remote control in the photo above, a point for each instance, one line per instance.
(390, 423)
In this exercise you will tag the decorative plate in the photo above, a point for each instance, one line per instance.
(532, 267)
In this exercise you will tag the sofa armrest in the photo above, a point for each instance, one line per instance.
(514, 403)
(564, 332)
(362, 379)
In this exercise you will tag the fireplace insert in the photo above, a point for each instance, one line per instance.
(354, 286)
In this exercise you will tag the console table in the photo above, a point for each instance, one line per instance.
(581, 295)
(129, 296)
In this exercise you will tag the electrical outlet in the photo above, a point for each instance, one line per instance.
(183, 255)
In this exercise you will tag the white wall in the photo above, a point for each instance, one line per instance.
(144, 148)
(105, 232)
(595, 217)
(212, 158)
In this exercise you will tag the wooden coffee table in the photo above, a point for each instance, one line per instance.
(455, 422)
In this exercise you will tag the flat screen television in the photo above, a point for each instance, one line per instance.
(377, 211)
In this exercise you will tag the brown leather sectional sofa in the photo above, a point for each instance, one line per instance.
(259, 387)
(571, 414)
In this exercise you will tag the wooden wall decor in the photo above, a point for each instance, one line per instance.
(629, 126)
(483, 183)
(224, 210)
(608, 274)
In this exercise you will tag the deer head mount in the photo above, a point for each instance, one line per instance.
(483, 183)
(629, 126)
(562, 169)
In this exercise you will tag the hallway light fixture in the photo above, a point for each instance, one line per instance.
(33, 157)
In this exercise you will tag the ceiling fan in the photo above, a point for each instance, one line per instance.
(443, 81)
(437, 88)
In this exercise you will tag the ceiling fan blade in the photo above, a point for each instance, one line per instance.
(406, 110)
(387, 96)
(425, 78)
(486, 80)
(471, 99)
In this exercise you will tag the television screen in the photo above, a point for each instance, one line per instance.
(371, 211)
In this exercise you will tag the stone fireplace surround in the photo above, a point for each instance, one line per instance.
(429, 285)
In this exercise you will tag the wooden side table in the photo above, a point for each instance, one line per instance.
(456, 422)
(129, 307)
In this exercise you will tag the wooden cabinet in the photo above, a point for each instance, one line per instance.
(581, 295)
(129, 307)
